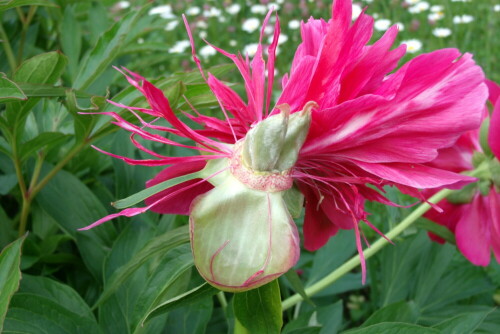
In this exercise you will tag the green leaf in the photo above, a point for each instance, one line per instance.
(437, 229)
(403, 311)
(72, 205)
(44, 68)
(105, 51)
(297, 285)
(7, 182)
(46, 139)
(71, 40)
(41, 90)
(156, 246)
(9, 90)
(259, 310)
(463, 323)
(8, 4)
(190, 297)
(10, 259)
(191, 320)
(393, 328)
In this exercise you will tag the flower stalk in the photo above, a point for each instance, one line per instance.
(375, 247)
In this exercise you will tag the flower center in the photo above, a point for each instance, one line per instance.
(264, 158)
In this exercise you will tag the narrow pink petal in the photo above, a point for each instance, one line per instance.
(416, 175)
(179, 204)
(472, 232)
(494, 202)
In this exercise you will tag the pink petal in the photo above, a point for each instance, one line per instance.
(494, 202)
(472, 232)
(494, 131)
(180, 203)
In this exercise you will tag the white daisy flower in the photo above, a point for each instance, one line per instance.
(251, 24)
(412, 2)
(356, 11)
(179, 47)
(123, 4)
(258, 9)
(382, 24)
(233, 9)
(412, 45)
(400, 25)
(250, 49)
(203, 34)
(459, 19)
(207, 51)
(212, 12)
(192, 11)
(165, 11)
(496, 8)
(233, 42)
(437, 9)
(282, 39)
(441, 32)
(273, 5)
(201, 24)
(294, 24)
(171, 25)
(435, 16)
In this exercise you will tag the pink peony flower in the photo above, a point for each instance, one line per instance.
(343, 126)
(474, 215)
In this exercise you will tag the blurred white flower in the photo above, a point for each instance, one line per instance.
(400, 25)
(441, 32)
(294, 24)
(233, 42)
(123, 4)
(165, 11)
(179, 47)
(201, 24)
(221, 19)
(273, 5)
(171, 25)
(203, 34)
(282, 39)
(459, 19)
(192, 11)
(207, 51)
(412, 2)
(437, 8)
(251, 24)
(368, 1)
(268, 30)
(356, 11)
(250, 49)
(258, 9)
(233, 9)
(435, 16)
(496, 8)
(412, 45)
(382, 24)
(419, 7)
(280, 1)
(212, 12)
(140, 41)
(460, 0)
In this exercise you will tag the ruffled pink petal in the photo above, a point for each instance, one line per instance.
(180, 203)
(472, 232)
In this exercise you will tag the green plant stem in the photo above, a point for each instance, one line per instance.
(74, 151)
(375, 247)
(25, 211)
(26, 23)
(36, 172)
(8, 49)
(222, 300)
(238, 328)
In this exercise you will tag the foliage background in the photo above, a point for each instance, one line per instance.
(57, 59)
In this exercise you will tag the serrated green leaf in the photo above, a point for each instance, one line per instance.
(259, 310)
(10, 259)
(9, 90)
(187, 298)
(8, 4)
(159, 245)
(105, 51)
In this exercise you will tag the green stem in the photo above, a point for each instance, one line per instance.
(374, 248)
(238, 328)
(8, 49)
(75, 150)
(36, 172)
(26, 23)
(25, 211)
(222, 300)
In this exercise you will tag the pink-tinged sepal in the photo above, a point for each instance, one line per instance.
(242, 238)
